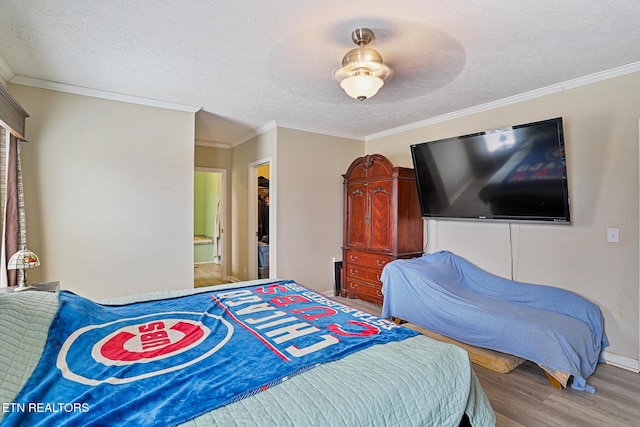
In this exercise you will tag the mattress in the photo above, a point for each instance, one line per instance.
(417, 381)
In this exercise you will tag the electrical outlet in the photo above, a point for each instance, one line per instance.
(613, 235)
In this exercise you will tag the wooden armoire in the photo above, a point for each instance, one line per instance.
(382, 222)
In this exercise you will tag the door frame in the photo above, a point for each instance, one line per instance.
(223, 213)
(252, 226)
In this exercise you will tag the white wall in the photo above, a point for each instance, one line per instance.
(109, 193)
(601, 136)
(310, 199)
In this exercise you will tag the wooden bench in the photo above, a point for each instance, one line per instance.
(490, 359)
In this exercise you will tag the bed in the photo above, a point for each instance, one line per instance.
(377, 374)
(557, 329)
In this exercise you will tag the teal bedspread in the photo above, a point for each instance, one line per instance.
(417, 381)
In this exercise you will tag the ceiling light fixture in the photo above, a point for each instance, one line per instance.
(362, 73)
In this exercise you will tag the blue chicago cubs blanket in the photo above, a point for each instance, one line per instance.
(165, 362)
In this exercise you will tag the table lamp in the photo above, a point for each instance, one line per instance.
(22, 260)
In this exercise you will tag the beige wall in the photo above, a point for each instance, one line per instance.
(258, 148)
(109, 193)
(306, 173)
(97, 172)
(310, 168)
(601, 136)
(212, 157)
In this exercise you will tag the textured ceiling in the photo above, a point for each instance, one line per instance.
(249, 63)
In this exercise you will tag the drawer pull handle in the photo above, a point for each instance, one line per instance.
(353, 285)
(353, 272)
(378, 293)
(353, 257)
(378, 277)
(381, 263)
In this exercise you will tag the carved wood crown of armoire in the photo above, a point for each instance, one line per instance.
(382, 222)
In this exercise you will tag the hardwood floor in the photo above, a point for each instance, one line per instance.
(207, 274)
(524, 397)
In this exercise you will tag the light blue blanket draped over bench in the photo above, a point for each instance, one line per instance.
(555, 328)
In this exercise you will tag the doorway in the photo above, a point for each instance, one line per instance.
(261, 220)
(264, 175)
(208, 227)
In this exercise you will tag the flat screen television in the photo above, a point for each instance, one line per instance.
(508, 174)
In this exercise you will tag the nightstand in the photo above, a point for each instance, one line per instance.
(40, 287)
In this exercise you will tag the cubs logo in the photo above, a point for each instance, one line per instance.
(147, 346)
(149, 341)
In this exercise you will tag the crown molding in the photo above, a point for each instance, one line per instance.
(259, 131)
(537, 93)
(213, 144)
(321, 132)
(273, 124)
(78, 90)
(7, 73)
(5, 70)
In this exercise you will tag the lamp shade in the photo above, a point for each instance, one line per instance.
(361, 86)
(363, 72)
(22, 260)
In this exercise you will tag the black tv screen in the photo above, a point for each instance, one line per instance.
(508, 174)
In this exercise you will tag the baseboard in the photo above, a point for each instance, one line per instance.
(623, 362)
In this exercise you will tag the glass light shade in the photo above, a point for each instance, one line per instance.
(23, 259)
(361, 86)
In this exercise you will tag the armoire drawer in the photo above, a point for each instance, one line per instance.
(356, 271)
(365, 291)
(367, 259)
